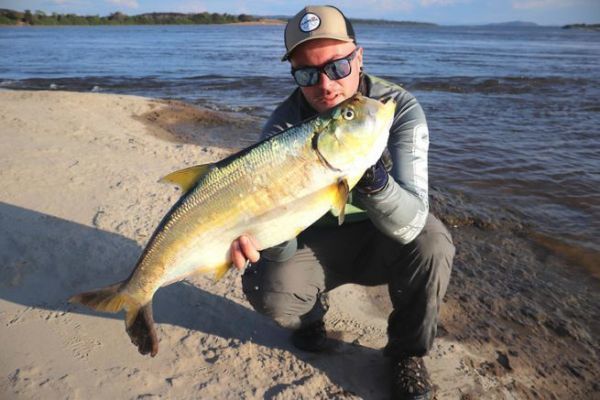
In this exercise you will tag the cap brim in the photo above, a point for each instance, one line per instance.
(346, 39)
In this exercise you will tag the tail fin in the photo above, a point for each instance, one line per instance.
(138, 318)
(140, 327)
(108, 299)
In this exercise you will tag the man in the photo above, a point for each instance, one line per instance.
(389, 238)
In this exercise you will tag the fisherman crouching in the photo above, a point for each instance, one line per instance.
(389, 236)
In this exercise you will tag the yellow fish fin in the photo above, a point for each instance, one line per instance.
(139, 324)
(218, 271)
(188, 177)
(221, 270)
(109, 299)
(138, 317)
(340, 199)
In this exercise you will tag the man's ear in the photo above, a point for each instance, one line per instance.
(359, 57)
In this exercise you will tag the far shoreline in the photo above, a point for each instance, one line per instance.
(266, 21)
(138, 25)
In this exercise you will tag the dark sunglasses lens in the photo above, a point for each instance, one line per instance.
(338, 69)
(306, 76)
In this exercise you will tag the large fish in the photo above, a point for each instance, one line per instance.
(270, 191)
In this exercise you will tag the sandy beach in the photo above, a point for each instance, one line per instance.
(79, 198)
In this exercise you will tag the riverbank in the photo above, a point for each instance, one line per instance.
(80, 198)
(40, 18)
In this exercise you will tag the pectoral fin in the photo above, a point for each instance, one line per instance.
(188, 177)
(341, 198)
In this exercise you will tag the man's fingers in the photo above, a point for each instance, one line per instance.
(243, 250)
(248, 247)
(237, 257)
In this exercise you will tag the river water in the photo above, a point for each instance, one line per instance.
(514, 113)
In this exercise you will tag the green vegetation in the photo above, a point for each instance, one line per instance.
(11, 17)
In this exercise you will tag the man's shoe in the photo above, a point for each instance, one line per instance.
(311, 337)
(410, 379)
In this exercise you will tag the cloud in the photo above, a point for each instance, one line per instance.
(427, 3)
(124, 3)
(69, 2)
(355, 9)
(402, 5)
(191, 6)
(536, 4)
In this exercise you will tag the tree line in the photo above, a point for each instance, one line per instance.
(11, 17)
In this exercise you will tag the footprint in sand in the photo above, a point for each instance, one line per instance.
(80, 344)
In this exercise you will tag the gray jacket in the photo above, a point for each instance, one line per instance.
(401, 208)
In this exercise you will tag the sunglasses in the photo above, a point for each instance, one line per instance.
(336, 69)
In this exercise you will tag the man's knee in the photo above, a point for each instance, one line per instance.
(436, 247)
(284, 308)
(278, 297)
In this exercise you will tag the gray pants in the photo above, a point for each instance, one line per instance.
(288, 285)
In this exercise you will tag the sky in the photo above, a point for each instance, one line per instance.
(445, 12)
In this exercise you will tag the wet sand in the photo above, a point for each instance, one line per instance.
(80, 198)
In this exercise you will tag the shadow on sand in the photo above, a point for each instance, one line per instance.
(44, 260)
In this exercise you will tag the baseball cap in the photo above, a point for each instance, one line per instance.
(316, 22)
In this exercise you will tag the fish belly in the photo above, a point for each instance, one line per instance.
(210, 250)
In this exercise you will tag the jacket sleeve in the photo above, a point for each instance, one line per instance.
(400, 209)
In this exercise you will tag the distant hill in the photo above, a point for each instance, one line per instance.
(516, 24)
(585, 27)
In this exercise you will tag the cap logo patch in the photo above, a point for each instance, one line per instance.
(309, 22)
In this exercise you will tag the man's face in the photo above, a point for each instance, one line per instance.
(327, 93)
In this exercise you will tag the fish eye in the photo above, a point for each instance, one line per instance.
(348, 114)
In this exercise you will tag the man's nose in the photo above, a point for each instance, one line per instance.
(324, 80)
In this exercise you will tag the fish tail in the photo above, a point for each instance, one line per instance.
(108, 299)
(138, 317)
(140, 328)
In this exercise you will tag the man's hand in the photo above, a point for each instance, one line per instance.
(244, 249)
(376, 176)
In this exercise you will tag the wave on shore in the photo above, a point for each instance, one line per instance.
(186, 85)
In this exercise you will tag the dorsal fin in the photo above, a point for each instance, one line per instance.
(188, 177)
